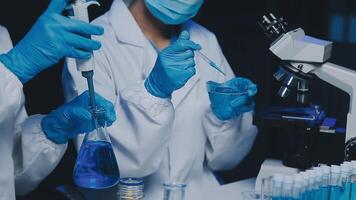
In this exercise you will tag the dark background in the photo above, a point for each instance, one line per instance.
(245, 46)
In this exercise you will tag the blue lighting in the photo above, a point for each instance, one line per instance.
(337, 28)
(352, 29)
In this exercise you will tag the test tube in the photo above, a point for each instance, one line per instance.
(318, 182)
(287, 189)
(325, 185)
(311, 184)
(277, 183)
(336, 185)
(346, 171)
(353, 181)
(305, 176)
(297, 186)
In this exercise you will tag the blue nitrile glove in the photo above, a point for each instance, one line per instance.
(175, 65)
(232, 98)
(51, 38)
(75, 118)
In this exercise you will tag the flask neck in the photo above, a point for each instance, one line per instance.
(99, 132)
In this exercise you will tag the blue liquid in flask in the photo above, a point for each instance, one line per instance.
(96, 166)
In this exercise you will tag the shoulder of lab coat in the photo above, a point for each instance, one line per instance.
(10, 85)
(5, 40)
(34, 156)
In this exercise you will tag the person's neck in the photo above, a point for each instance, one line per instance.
(157, 32)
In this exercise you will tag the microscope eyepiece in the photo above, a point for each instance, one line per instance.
(273, 26)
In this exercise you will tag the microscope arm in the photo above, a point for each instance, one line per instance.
(344, 79)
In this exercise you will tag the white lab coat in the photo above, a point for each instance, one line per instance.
(26, 156)
(162, 140)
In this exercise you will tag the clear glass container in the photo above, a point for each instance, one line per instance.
(353, 185)
(325, 185)
(335, 182)
(353, 180)
(266, 189)
(131, 189)
(96, 166)
(174, 191)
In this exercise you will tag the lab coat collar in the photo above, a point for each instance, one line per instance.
(128, 31)
(126, 28)
(124, 24)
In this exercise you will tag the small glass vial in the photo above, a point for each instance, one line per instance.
(174, 191)
(131, 189)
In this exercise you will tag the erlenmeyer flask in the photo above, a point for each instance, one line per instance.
(96, 166)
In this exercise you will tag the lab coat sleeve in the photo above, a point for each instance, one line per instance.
(34, 156)
(142, 130)
(228, 141)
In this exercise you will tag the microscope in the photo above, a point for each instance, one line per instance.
(304, 58)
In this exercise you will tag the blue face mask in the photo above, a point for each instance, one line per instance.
(174, 12)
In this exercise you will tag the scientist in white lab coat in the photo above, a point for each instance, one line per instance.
(170, 129)
(31, 147)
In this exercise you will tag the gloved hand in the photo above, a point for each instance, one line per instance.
(175, 65)
(52, 38)
(74, 118)
(232, 98)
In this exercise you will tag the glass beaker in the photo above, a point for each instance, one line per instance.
(174, 191)
(96, 166)
(131, 189)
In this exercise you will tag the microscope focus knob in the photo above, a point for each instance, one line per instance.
(350, 150)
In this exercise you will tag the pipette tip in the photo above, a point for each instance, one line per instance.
(210, 62)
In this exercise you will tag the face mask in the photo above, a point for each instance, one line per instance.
(174, 12)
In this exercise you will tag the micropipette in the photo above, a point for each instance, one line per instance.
(86, 67)
(96, 166)
(206, 59)
(210, 62)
